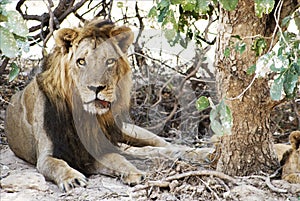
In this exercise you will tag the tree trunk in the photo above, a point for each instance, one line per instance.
(249, 148)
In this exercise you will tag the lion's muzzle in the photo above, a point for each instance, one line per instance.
(102, 103)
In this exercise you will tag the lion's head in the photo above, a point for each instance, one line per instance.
(91, 62)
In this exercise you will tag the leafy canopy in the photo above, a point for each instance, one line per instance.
(177, 18)
(13, 36)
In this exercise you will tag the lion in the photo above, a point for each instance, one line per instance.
(291, 160)
(69, 117)
(69, 120)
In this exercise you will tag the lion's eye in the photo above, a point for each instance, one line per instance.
(81, 62)
(110, 62)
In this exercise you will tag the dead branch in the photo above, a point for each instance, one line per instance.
(267, 180)
(180, 93)
(51, 22)
(295, 108)
(166, 182)
(211, 190)
(203, 173)
(3, 65)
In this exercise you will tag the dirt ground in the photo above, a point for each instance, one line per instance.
(179, 181)
(166, 180)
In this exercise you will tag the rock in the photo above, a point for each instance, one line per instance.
(24, 180)
(291, 188)
(249, 193)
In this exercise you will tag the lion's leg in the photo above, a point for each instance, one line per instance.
(295, 139)
(195, 155)
(55, 169)
(61, 173)
(113, 164)
(292, 178)
(137, 136)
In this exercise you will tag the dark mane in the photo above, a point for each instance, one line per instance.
(78, 137)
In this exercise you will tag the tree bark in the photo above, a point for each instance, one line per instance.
(249, 148)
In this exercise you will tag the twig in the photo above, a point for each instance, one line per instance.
(165, 183)
(180, 93)
(162, 184)
(295, 108)
(245, 90)
(211, 190)
(4, 176)
(161, 90)
(202, 173)
(110, 9)
(3, 65)
(267, 180)
(1, 99)
(51, 20)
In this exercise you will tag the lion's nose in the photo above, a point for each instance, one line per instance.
(97, 89)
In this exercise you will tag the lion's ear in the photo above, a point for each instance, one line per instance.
(124, 37)
(65, 37)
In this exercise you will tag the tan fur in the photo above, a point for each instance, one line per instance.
(291, 167)
(67, 90)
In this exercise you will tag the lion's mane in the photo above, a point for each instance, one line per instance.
(57, 83)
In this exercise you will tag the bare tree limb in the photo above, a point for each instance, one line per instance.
(3, 65)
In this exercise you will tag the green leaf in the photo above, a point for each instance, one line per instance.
(251, 70)
(277, 88)
(16, 24)
(14, 72)
(169, 25)
(8, 44)
(153, 12)
(215, 124)
(202, 103)
(290, 82)
(297, 66)
(229, 4)
(3, 18)
(216, 127)
(285, 21)
(162, 14)
(280, 64)
(227, 52)
(221, 119)
(203, 5)
(225, 117)
(120, 4)
(237, 37)
(3, 2)
(240, 47)
(174, 2)
(259, 45)
(263, 7)
(163, 4)
(297, 20)
(188, 5)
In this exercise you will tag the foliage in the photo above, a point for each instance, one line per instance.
(13, 36)
(281, 64)
(220, 115)
(178, 16)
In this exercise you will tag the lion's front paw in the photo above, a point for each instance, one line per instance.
(133, 178)
(71, 179)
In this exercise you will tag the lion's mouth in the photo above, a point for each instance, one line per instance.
(102, 104)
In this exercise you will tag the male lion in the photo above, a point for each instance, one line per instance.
(68, 118)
